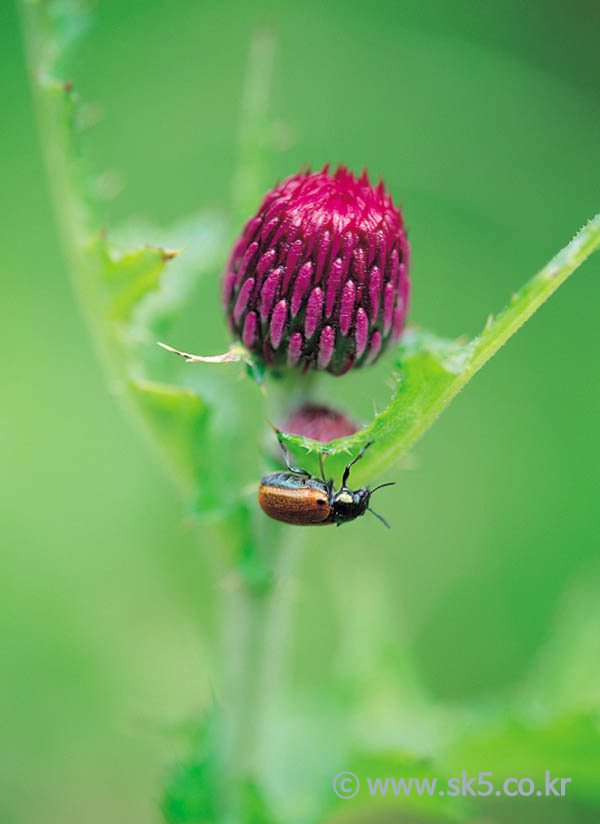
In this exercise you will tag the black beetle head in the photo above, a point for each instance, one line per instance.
(348, 504)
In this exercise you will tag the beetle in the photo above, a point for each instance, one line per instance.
(297, 497)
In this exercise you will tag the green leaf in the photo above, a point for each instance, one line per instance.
(202, 789)
(131, 277)
(568, 746)
(254, 809)
(431, 371)
(190, 796)
(179, 420)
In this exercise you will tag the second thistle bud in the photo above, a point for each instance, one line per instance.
(319, 422)
(319, 277)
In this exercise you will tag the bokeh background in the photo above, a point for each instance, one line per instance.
(484, 121)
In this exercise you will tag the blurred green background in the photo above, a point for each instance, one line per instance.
(484, 121)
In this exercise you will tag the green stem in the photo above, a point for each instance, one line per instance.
(254, 132)
(255, 621)
(245, 621)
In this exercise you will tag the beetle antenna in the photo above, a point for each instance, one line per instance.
(358, 457)
(381, 518)
(390, 483)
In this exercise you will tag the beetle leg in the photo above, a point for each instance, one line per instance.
(286, 458)
(358, 457)
(322, 468)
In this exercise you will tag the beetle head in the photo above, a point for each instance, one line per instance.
(349, 504)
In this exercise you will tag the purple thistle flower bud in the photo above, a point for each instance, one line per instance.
(320, 423)
(319, 277)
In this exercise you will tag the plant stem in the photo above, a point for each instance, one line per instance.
(255, 622)
(245, 622)
(254, 132)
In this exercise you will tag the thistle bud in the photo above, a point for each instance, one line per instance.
(320, 423)
(319, 277)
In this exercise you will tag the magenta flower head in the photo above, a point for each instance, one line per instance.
(319, 277)
(319, 422)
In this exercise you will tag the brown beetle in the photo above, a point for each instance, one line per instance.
(297, 497)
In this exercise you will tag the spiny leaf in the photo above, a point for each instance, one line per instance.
(132, 276)
(200, 238)
(432, 371)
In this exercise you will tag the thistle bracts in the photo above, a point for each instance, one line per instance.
(319, 277)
